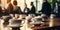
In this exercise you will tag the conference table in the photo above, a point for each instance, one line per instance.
(51, 23)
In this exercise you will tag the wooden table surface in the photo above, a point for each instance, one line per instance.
(52, 22)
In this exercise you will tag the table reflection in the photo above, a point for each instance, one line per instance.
(30, 22)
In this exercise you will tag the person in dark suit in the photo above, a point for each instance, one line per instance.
(26, 10)
(10, 8)
(46, 8)
(16, 9)
(32, 8)
(57, 9)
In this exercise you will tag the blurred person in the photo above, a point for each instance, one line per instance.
(46, 8)
(32, 8)
(26, 9)
(9, 7)
(16, 9)
(57, 9)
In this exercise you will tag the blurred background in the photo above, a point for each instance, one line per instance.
(37, 3)
(41, 20)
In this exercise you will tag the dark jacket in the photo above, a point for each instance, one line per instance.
(57, 14)
(0, 10)
(59, 10)
(46, 8)
(33, 10)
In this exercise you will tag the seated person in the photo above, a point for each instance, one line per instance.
(9, 8)
(46, 8)
(32, 8)
(26, 9)
(57, 9)
(16, 9)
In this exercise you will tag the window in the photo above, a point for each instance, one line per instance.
(39, 6)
